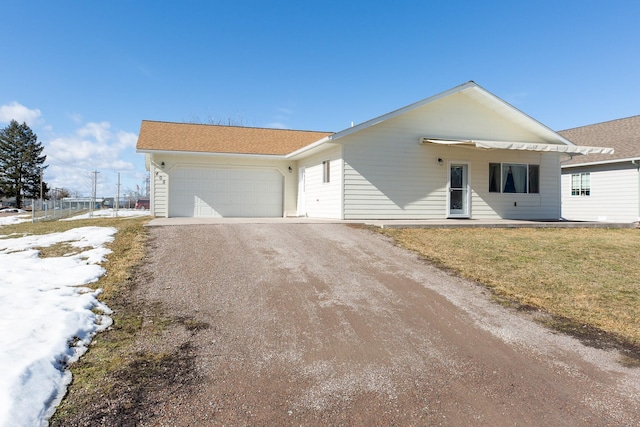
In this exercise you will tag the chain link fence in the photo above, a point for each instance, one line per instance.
(43, 210)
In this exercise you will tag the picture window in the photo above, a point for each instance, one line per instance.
(514, 178)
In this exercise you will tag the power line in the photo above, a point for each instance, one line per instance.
(65, 163)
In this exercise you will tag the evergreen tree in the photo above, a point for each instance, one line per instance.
(21, 162)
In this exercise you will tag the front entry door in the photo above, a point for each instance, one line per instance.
(458, 190)
(302, 197)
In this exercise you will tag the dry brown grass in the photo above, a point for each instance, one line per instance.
(127, 247)
(110, 350)
(590, 276)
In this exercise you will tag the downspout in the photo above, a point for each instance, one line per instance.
(571, 156)
(637, 165)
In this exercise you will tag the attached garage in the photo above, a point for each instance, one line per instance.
(213, 171)
(225, 192)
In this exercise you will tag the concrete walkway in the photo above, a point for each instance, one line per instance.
(433, 223)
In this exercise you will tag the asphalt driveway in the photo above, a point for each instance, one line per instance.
(331, 324)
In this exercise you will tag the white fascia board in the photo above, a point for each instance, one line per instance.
(603, 162)
(199, 153)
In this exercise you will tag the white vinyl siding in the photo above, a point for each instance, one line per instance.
(389, 175)
(613, 194)
(323, 199)
(159, 190)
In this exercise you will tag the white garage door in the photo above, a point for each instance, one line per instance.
(225, 192)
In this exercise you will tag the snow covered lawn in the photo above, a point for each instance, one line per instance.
(14, 219)
(47, 317)
(111, 213)
(102, 213)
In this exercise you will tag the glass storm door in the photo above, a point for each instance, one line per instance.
(458, 191)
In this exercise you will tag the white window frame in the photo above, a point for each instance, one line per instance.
(581, 184)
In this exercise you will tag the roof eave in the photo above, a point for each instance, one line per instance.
(213, 154)
(307, 148)
(602, 162)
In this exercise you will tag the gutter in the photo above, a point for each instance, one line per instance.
(571, 156)
(202, 153)
(602, 162)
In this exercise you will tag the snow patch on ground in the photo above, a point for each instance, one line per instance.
(47, 318)
(110, 213)
(14, 219)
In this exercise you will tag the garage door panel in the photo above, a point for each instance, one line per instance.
(226, 192)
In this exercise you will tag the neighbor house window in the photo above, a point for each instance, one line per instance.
(514, 178)
(326, 171)
(581, 184)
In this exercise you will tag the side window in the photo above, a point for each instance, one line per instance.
(326, 171)
(581, 184)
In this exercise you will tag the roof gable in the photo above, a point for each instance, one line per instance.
(623, 135)
(199, 138)
(473, 92)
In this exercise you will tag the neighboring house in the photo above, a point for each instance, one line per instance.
(463, 153)
(604, 187)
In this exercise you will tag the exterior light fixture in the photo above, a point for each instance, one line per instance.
(290, 169)
(440, 161)
(162, 165)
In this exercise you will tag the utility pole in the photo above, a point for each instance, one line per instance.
(40, 190)
(118, 196)
(93, 195)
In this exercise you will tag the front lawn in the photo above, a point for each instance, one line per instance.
(586, 278)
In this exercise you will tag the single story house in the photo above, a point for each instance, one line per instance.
(463, 153)
(604, 187)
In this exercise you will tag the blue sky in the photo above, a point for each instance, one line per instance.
(83, 74)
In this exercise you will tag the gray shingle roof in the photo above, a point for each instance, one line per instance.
(623, 135)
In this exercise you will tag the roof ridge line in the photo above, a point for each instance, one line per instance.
(235, 126)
